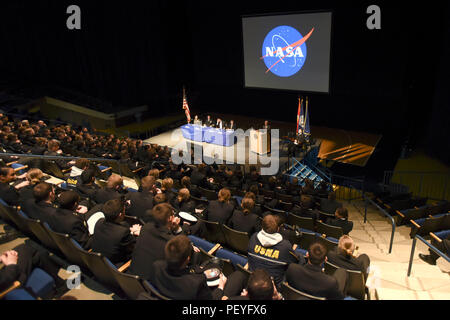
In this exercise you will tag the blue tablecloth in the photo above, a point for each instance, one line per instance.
(219, 137)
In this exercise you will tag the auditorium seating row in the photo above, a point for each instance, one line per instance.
(431, 221)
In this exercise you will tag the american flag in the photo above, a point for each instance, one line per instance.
(186, 107)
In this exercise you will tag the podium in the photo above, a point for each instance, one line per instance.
(260, 141)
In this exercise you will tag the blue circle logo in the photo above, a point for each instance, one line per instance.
(284, 51)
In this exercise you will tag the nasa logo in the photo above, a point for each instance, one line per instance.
(284, 51)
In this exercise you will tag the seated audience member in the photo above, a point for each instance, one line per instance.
(220, 210)
(88, 187)
(259, 198)
(323, 190)
(166, 188)
(183, 202)
(133, 166)
(159, 198)
(54, 150)
(152, 239)
(443, 246)
(186, 183)
(256, 208)
(156, 173)
(8, 193)
(293, 188)
(260, 286)
(343, 256)
(175, 171)
(21, 261)
(173, 278)
(142, 201)
(311, 279)
(271, 184)
(66, 219)
(244, 220)
(77, 170)
(269, 251)
(341, 220)
(330, 205)
(198, 176)
(111, 238)
(112, 190)
(40, 147)
(33, 176)
(309, 188)
(42, 208)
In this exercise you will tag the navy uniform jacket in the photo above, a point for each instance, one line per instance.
(310, 279)
(346, 225)
(272, 253)
(182, 284)
(66, 221)
(113, 240)
(9, 194)
(149, 248)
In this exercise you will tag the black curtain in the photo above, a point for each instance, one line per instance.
(121, 54)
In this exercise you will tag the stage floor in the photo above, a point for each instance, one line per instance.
(239, 153)
(338, 145)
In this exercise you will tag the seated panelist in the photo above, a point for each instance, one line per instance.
(208, 122)
(231, 125)
(219, 124)
(197, 121)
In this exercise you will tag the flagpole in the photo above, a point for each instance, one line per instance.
(298, 113)
(306, 114)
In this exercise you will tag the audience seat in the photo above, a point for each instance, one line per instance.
(236, 240)
(330, 231)
(290, 293)
(233, 257)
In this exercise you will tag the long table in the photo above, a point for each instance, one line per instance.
(216, 136)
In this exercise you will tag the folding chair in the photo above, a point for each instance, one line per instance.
(130, 284)
(214, 232)
(290, 293)
(153, 291)
(37, 229)
(236, 240)
(301, 222)
(330, 231)
(208, 194)
(67, 246)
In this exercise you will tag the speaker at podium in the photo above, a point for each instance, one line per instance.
(260, 141)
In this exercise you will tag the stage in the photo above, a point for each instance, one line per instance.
(337, 145)
(238, 153)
